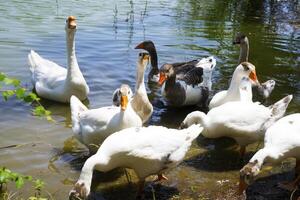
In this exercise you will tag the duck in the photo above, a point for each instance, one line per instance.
(264, 89)
(245, 69)
(150, 150)
(153, 76)
(192, 88)
(54, 82)
(244, 121)
(282, 140)
(91, 127)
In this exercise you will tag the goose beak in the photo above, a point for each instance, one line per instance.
(140, 46)
(124, 102)
(71, 22)
(253, 77)
(242, 186)
(162, 78)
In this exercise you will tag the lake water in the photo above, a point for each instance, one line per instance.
(107, 34)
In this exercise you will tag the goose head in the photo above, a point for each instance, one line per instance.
(166, 71)
(266, 88)
(208, 63)
(117, 95)
(124, 96)
(80, 191)
(147, 45)
(71, 24)
(247, 175)
(195, 117)
(240, 39)
(143, 60)
(248, 70)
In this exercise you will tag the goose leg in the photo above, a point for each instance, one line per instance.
(161, 177)
(242, 151)
(140, 191)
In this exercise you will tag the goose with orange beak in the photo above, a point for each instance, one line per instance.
(282, 141)
(54, 82)
(244, 69)
(91, 127)
(192, 88)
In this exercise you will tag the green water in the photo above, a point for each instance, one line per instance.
(105, 40)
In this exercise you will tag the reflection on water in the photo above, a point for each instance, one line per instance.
(107, 33)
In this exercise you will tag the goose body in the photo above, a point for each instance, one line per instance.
(192, 88)
(244, 121)
(282, 140)
(245, 69)
(146, 150)
(93, 126)
(54, 82)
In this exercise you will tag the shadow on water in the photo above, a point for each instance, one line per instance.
(152, 191)
(270, 188)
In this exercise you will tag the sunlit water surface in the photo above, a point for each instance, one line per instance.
(105, 39)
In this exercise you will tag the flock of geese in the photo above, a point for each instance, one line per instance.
(152, 150)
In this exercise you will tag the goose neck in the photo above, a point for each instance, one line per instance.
(73, 67)
(140, 85)
(153, 59)
(244, 52)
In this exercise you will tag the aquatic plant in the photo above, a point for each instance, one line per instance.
(13, 87)
(7, 176)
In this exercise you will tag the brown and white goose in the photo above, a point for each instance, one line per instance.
(264, 89)
(180, 68)
(192, 88)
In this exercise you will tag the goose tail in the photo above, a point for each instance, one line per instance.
(278, 109)
(193, 132)
(76, 108)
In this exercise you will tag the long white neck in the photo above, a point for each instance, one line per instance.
(88, 168)
(207, 79)
(244, 52)
(140, 84)
(73, 68)
(260, 157)
(234, 90)
(198, 117)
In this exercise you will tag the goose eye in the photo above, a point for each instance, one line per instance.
(140, 54)
(246, 68)
(210, 60)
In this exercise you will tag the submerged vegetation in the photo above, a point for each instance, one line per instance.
(7, 177)
(12, 87)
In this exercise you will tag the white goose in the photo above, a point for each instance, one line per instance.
(244, 121)
(147, 150)
(244, 69)
(282, 140)
(54, 82)
(93, 126)
(190, 88)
